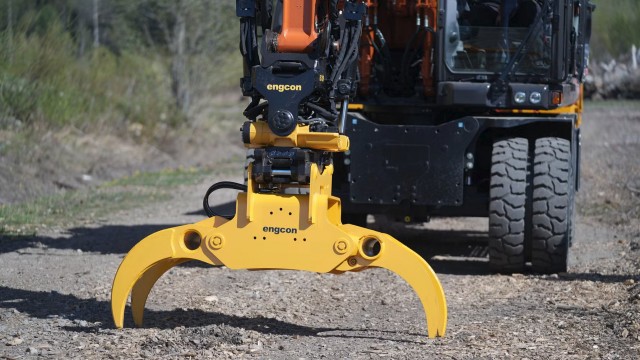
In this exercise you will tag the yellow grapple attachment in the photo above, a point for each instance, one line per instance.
(277, 231)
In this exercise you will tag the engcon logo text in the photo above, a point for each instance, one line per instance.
(283, 87)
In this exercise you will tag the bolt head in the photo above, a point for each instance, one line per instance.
(283, 119)
(215, 242)
(344, 88)
(341, 247)
(282, 123)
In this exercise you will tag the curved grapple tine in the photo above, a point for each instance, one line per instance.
(144, 265)
(145, 283)
(403, 261)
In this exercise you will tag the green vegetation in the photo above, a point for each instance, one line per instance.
(615, 27)
(74, 207)
(69, 208)
(49, 85)
(162, 179)
(84, 63)
(612, 104)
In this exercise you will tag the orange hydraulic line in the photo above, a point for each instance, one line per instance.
(367, 50)
(430, 9)
(399, 7)
(298, 26)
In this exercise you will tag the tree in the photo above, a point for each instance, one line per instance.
(10, 29)
(96, 24)
(189, 29)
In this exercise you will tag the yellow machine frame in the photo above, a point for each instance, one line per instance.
(278, 231)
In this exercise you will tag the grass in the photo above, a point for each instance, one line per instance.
(68, 208)
(72, 207)
(611, 104)
(162, 179)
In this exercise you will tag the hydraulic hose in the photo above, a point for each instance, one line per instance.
(217, 186)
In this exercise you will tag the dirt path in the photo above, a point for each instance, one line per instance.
(55, 288)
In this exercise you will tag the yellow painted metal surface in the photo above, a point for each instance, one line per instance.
(272, 231)
(261, 136)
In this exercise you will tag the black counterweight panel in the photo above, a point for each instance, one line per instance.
(421, 165)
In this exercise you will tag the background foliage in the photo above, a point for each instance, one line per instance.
(82, 62)
(78, 62)
(616, 26)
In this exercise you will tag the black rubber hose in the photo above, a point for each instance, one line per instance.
(217, 186)
(412, 57)
(351, 54)
(344, 45)
(410, 50)
(249, 44)
(322, 111)
(334, 14)
(255, 108)
(266, 14)
(387, 77)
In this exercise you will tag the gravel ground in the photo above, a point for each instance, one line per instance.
(55, 288)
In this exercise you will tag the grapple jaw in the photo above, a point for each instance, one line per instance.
(269, 231)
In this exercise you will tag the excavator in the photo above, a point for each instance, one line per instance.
(409, 109)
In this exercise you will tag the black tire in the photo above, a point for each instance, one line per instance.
(507, 200)
(553, 197)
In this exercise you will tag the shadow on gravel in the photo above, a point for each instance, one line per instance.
(228, 208)
(449, 252)
(453, 252)
(48, 305)
(595, 277)
(63, 308)
(110, 239)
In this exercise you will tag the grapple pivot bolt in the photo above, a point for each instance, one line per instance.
(215, 242)
(341, 247)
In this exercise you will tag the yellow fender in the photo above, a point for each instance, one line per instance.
(275, 231)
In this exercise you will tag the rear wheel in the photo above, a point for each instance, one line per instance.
(508, 195)
(553, 198)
